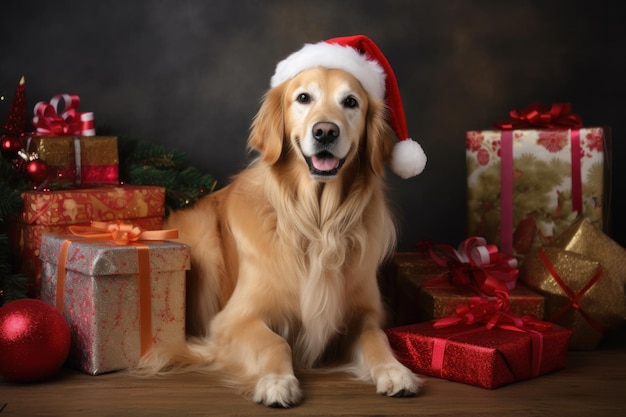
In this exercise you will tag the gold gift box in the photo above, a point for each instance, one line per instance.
(593, 269)
(78, 160)
(409, 301)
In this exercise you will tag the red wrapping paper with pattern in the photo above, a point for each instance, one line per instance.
(475, 355)
(54, 211)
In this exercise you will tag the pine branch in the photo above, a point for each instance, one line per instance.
(145, 163)
(11, 201)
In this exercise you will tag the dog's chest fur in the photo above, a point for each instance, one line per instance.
(323, 228)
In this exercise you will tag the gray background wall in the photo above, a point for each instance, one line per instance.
(189, 74)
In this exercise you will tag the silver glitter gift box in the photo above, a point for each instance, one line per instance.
(101, 298)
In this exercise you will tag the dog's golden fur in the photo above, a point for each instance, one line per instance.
(284, 259)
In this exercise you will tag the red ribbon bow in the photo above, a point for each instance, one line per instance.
(538, 115)
(492, 313)
(49, 120)
(477, 263)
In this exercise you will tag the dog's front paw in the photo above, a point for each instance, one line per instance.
(394, 380)
(281, 391)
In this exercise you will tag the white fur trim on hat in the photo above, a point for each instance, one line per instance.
(407, 159)
(329, 55)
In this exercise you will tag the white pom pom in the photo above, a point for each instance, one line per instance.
(407, 159)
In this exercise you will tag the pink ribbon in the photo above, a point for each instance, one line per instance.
(506, 184)
(476, 263)
(535, 116)
(50, 120)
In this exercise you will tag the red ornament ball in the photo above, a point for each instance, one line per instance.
(34, 340)
(11, 144)
(37, 170)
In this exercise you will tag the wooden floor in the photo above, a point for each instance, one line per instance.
(593, 384)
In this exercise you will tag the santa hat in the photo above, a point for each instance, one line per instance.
(360, 56)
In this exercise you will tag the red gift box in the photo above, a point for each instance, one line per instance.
(54, 211)
(476, 355)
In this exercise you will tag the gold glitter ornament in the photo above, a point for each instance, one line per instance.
(581, 274)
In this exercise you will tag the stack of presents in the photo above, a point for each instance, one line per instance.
(536, 277)
(94, 247)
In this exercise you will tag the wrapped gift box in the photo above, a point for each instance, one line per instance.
(103, 303)
(400, 280)
(582, 274)
(53, 211)
(475, 355)
(412, 296)
(526, 186)
(78, 160)
(440, 302)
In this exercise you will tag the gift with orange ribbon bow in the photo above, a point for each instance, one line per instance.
(582, 275)
(120, 288)
(435, 280)
(535, 175)
(483, 344)
(65, 141)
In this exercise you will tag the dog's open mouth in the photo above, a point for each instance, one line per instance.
(324, 164)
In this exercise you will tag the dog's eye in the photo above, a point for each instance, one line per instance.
(303, 98)
(350, 102)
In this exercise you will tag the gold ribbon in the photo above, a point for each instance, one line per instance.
(121, 234)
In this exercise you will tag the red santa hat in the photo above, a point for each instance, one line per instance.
(360, 56)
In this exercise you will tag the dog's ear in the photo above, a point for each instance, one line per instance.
(379, 137)
(268, 127)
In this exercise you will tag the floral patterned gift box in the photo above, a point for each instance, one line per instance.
(530, 180)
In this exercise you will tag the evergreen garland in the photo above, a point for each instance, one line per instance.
(12, 283)
(140, 163)
(145, 163)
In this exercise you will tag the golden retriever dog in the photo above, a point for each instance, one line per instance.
(285, 258)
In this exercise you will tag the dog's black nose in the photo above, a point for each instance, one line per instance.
(325, 132)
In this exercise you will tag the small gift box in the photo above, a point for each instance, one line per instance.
(477, 355)
(440, 302)
(78, 160)
(582, 274)
(530, 180)
(53, 211)
(432, 283)
(118, 299)
(65, 141)
(400, 280)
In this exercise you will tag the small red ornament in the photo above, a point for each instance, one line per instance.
(37, 170)
(11, 144)
(34, 340)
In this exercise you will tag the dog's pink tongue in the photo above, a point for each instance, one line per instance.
(325, 163)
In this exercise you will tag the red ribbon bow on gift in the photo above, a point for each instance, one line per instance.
(492, 313)
(476, 263)
(49, 120)
(538, 115)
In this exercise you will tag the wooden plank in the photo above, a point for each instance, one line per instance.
(594, 383)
